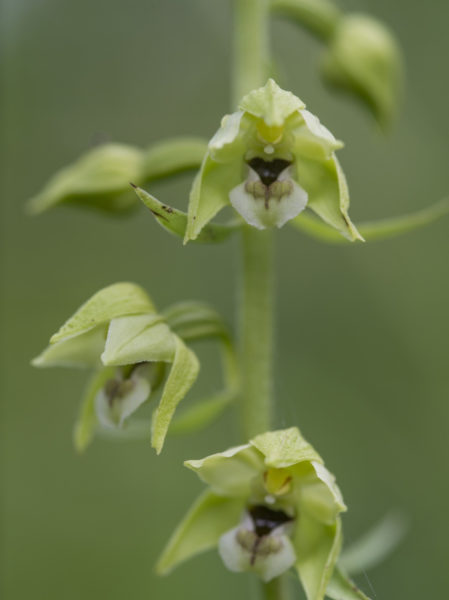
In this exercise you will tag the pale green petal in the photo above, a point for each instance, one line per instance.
(319, 495)
(200, 530)
(100, 179)
(284, 448)
(271, 103)
(325, 183)
(172, 156)
(231, 472)
(139, 338)
(81, 350)
(375, 545)
(182, 376)
(87, 419)
(210, 193)
(374, 230)
(340, 587)
(228, 141)
(113, 301)
(317, 547)
(202, 413)
(314, 140)
(175, 221)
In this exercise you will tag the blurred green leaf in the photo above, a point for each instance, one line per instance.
(374, 230)
(375, 545)
(171, 157)
(194, 320)
(175, 221)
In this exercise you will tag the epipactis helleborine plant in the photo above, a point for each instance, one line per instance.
(270, 160)
(119, 333)
(271, 505)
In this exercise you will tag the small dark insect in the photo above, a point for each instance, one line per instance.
(266, 519)
(268, 170)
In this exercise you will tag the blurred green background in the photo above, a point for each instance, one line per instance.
(362, 337)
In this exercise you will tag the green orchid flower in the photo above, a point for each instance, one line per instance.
(271, 505)
(118, 333)
(270, 160)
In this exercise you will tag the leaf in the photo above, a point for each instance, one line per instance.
(182, 376)
(113, 301)
(202, 413)
(175, 221)
(374, 230)
(340, 587)
(87, 419)
(373, 547)
(172, 156)
(209, 517)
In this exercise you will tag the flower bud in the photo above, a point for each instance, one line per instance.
(363, 58)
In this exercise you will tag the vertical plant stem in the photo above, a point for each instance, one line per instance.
(251, 57)
(256, 333)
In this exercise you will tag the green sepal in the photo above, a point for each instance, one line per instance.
(317, 548)
(340, 587)
(271, 103)
(209, 517)
(77, 351)
(87, 421)
(284, 448)
(375, 545)
(113, 301)
(171, 157)
(183, 373)
(372, 231)
(202, 413)
(138, 338)
(175, 221)
(210, 193)
(99, 179)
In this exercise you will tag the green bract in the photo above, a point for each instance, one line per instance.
(119, 333)
(271, 504)
(364, 59)
(271, 160)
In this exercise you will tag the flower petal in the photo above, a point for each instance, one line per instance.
(284, 448)
(319, 495)
(138, 338)
(276, 554)
(317, 547)
(225, 145)
(113, 301)
(325, 183)
(271, 103)
(259, 214)
(314, 140)
(113, 414)
(200, 530)
(183, 374)
(230, 472)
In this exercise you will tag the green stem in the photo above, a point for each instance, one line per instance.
(276, 589)
(251, 59)
(318, 16)
(256, 334)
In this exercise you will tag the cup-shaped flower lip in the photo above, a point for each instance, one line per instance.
(278, 465)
